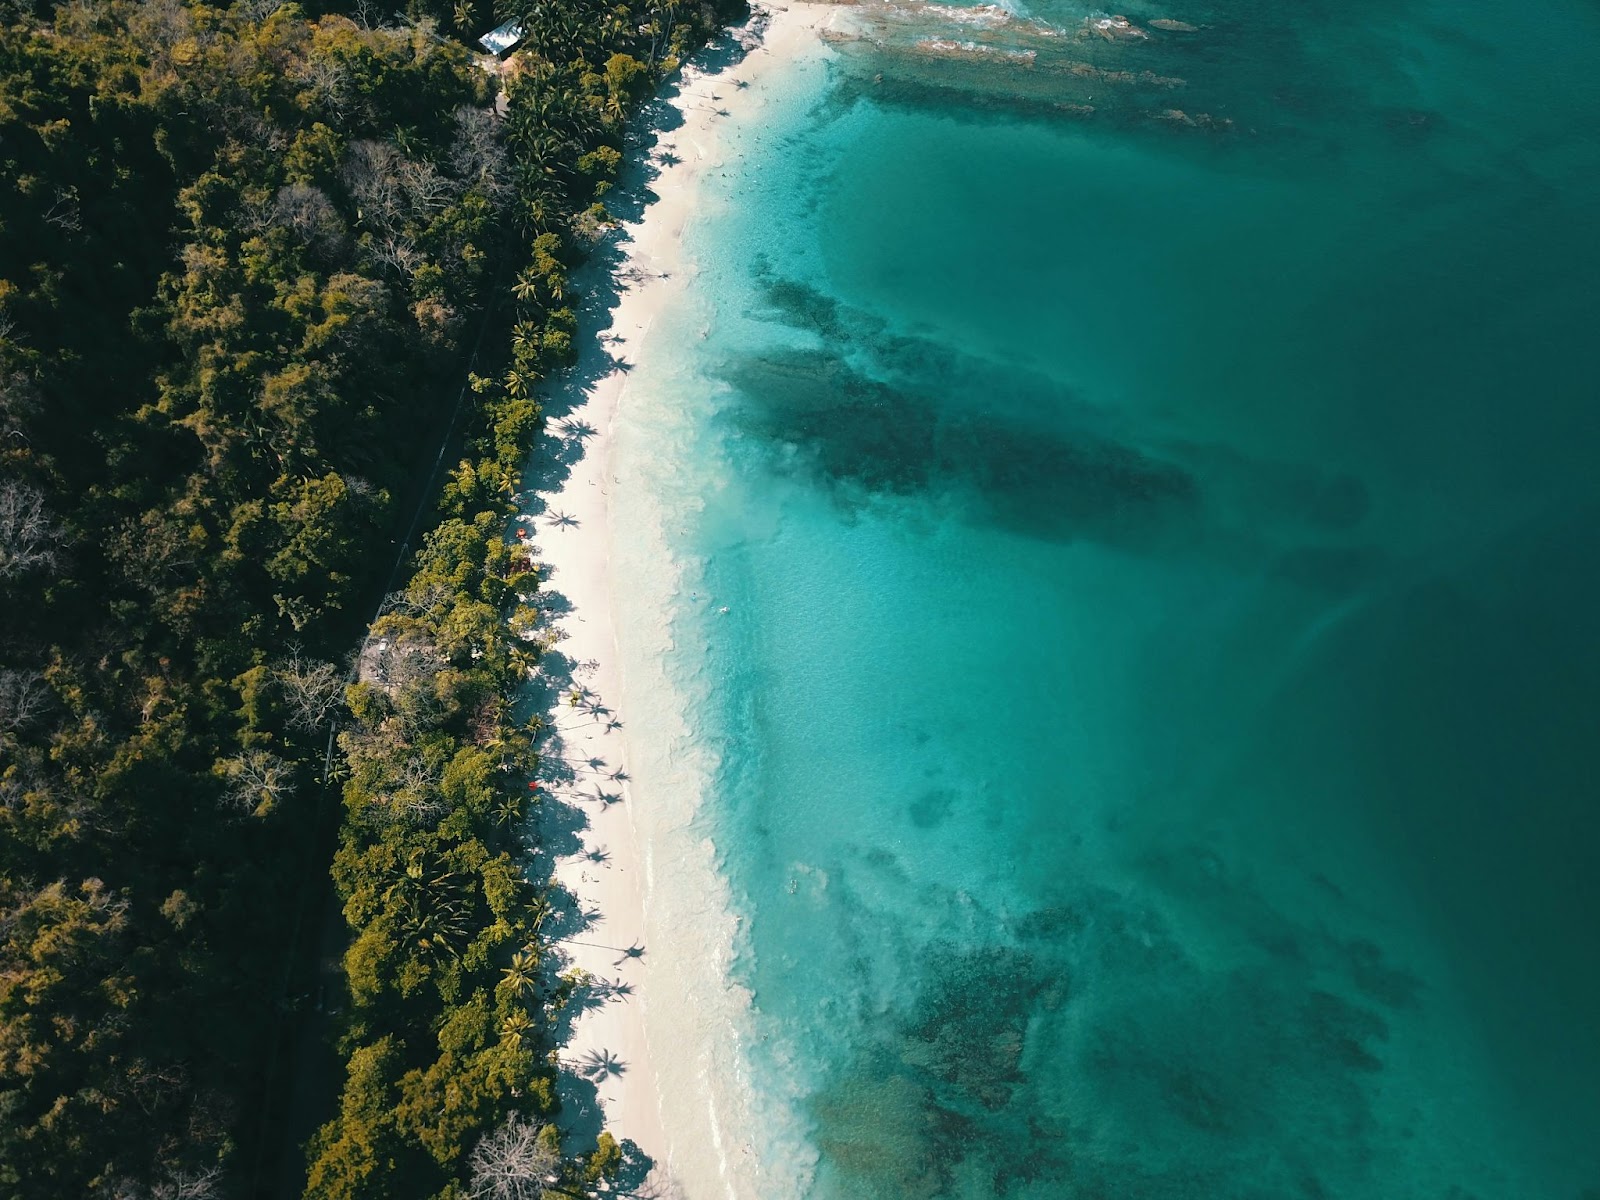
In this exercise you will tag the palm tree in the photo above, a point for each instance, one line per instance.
(508, 811)
(525, 334)
(525, 289)
(540, 910)
(438, 931)
(432, 909)
(519, 383)
(544, 150)
(520, 973)
(405, 140)
(524, 659)
(517, 1028)
(541, 211)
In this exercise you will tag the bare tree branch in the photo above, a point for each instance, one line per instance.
(23, 695)
(64, 213)
(307, 213)
(477, 156)
(329, 83)
(190, 1185)
(312, 689)
(258, 10)
(28, 536)
(512, 1163)
(258, 781)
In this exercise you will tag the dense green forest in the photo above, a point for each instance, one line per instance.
(246, 256)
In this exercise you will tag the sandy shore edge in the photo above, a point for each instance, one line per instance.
(607, 1059)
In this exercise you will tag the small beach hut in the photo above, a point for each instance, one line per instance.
(502, 39)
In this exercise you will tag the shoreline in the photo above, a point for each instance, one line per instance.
(587, 826)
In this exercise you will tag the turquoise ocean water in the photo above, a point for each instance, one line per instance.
(1134, 579)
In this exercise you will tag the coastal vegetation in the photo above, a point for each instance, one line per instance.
(246, 255)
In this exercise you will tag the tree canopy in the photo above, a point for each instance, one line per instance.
(245, 253)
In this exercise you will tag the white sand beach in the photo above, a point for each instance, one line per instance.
(604, 866)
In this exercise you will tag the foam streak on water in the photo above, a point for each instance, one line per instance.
(1105, 541)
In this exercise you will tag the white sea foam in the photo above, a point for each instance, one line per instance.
(710, 1110)
(698, 1020)
(969, 49)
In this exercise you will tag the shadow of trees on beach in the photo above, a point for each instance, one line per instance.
(609, 270)
(567, 715)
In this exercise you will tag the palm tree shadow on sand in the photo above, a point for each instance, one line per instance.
(558, 820)
(600, 1065)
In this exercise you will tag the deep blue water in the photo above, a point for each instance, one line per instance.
(1158, 703)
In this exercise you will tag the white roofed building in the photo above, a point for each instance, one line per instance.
(502, 39)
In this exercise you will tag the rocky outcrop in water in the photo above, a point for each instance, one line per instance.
(987, 59)
(1114, 29)
(1177, 116)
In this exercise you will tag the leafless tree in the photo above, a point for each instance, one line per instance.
(258, 780)
(28, 536)
(392, 192)
(425, 808)
(329, 83)
(589, 229)
(372, 173)
(23, 695)
(432, 601)
(512, 1163)
(306, 212)
(258, 10)
(177, 1184)
(658, 1187)
(13, 792)
(161, 22)
(19, 399)
(189, 1185)
(259, 210)
(426, 189)
(204, 264)
(417, 775)
(107, 905)
(398, 254)
(409, 662)
(477, 157)
(416, 790)
(312, 689)
(64, 213)
(82, 18)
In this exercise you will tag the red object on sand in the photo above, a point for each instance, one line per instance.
(533, 787)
